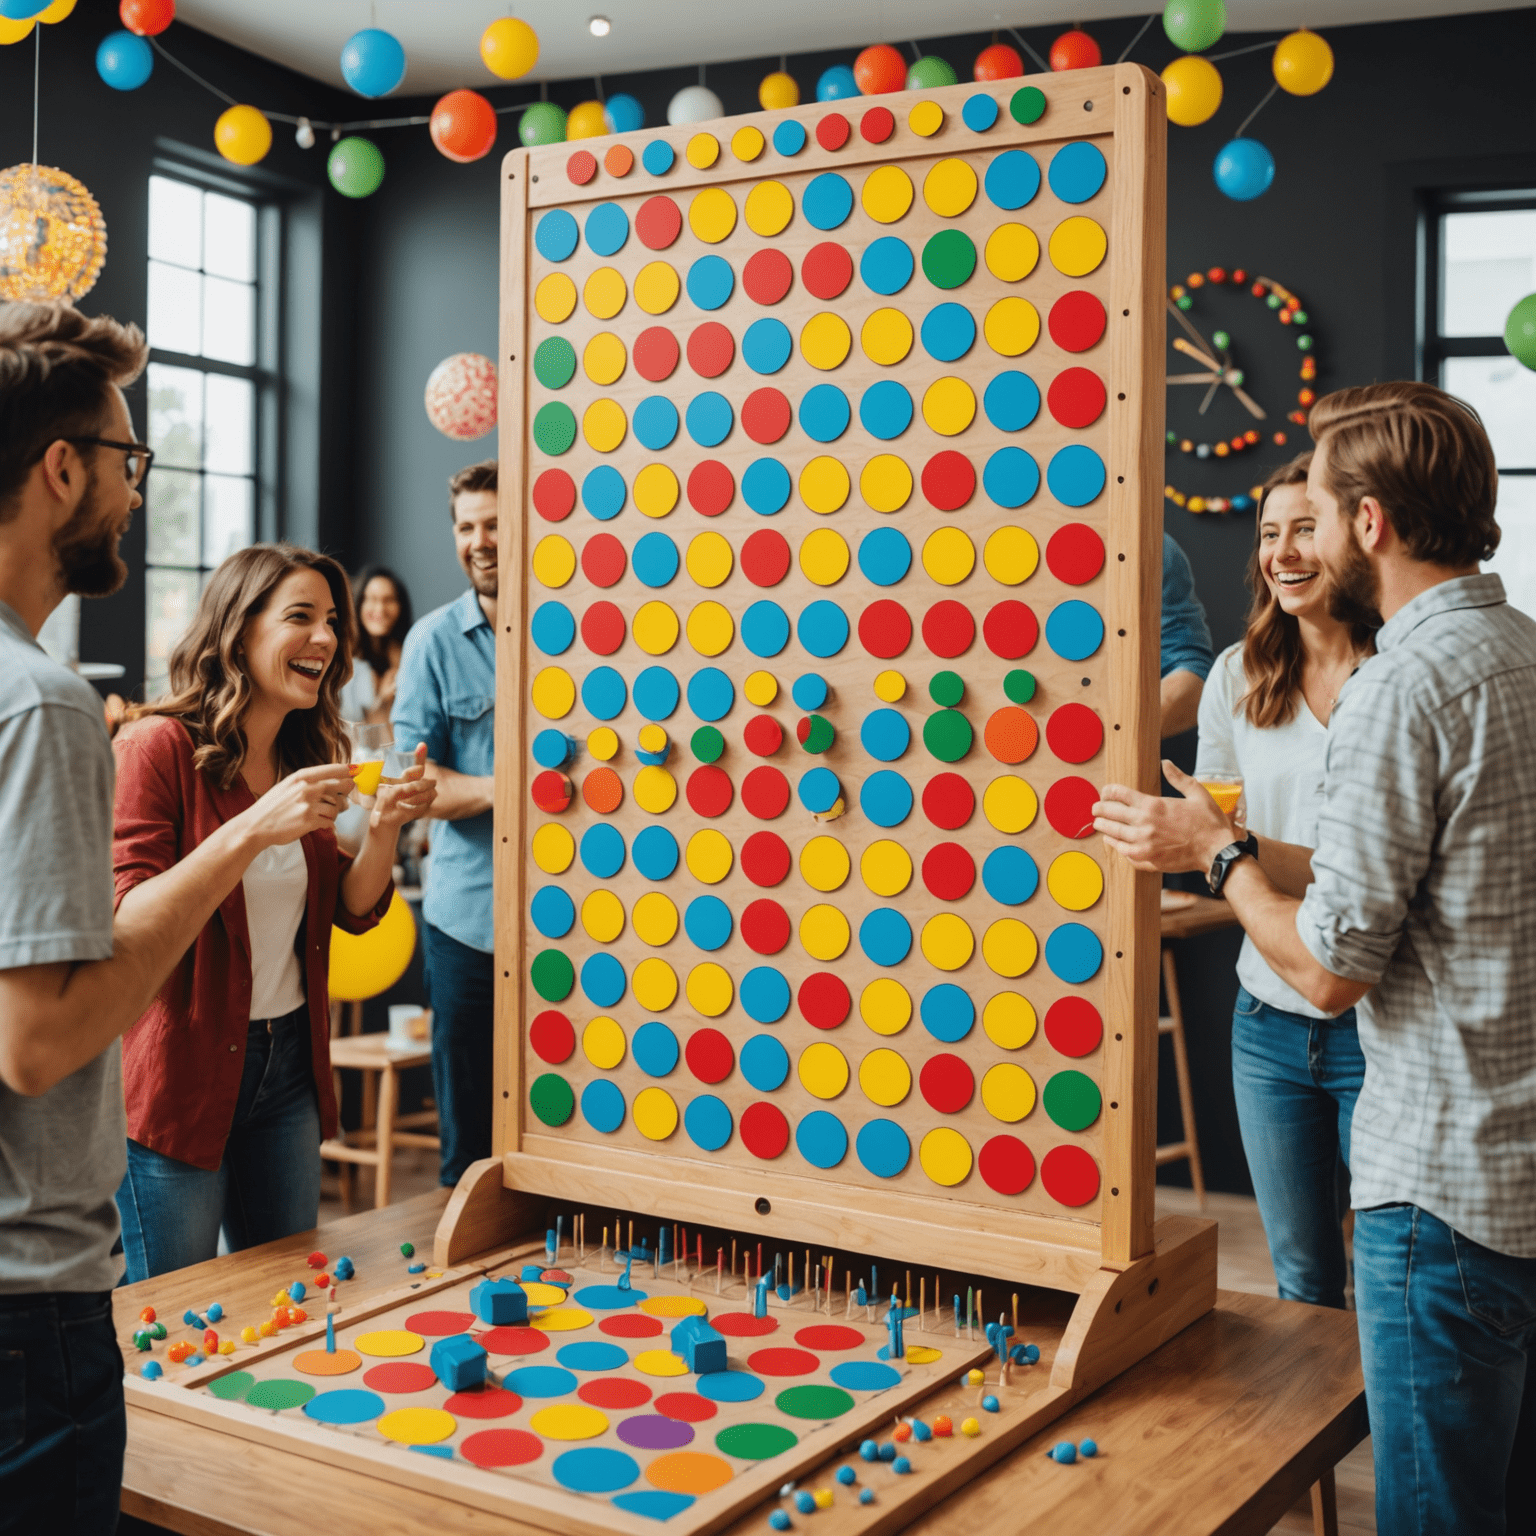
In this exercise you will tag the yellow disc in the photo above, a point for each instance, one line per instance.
(554, 693)
(657, 287)
(709, 558)
(823, 1070)
(555, 297)
(541, 1293)
(654, 918)
(947, 941)
(655, 490)
(660, 1362)
(709, 856)
(769, 207)
(652, 737)
(655, 984)
(948, 555)
(923, 1354)
(946, 1157)
(710, 628)
(604, 293)
(761, 688)
(604, 1044)
(886, 868)
(825, 340)
(886, 336)
(824, 556)
(1011, 555)
(824, 932)
(1075, 880)
(655, 1113)
(887, 194)
(925, 119)
(388, 1343)
(417, 1426)
(568, 1421)
(747, 144)
(603, 743)
(1012, 326)
(949, 406)
(655, 627)
(1011, 253)
(886, 483)
(1008, 1091)
(712, 215)
(554, 560)
(604, 358)
(553, 848)
(886, 1006)
(950, 188)
(1009, 1021)
(1009, 947)
(703, 150)
(654, 789)
(1009, 803)
(890, 686)
(710, 989)
(604, 425)
(824, 864)
(561, 1320)
(885, 1077)
(1077, 246)
(824, 484)
(602, 915)
(673, 1306)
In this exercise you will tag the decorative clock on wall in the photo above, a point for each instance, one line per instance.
(1219, 373)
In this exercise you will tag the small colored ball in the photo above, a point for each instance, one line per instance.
(975, 1377)
(971, 1427)
(242, 135)
(541, 123)
(143, 1339)
(463, 125)
(779, 1519)
(1064, 1452)
(623, 113)
(887, 1452)
(151, 1371)
(408, 1250)
(372, 62)
(1194, 90)
(846, 1475)
(1274, 301)
(902, 1433)
(414, 1269)
(1244, 170)
(296, 1291)
(805, 1501)
(823, 1498)
(1075, 50)
(1087, 1448)
(901, 1466)
(694, 104)
(929, 73)
(866, 1495)
(1303, 63)
(777, 91)
(998, 62)
(1304, 343)
(880, 68)
(147, 1315)
(317, 1260)
(920, 1431)
(124, 61)
(869, 1450)
(1184, 301)
(942, 1426)
(158, 1329)
(214, 1313)
(195, 1359)
(148, 18)
(1299, 316)
(836, 84)
(509, 48)
(1220, 340)
(1194, 25)
(248, 1335)
(990, 1403)
(586, 120)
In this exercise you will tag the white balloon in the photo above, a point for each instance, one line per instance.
(694, 104)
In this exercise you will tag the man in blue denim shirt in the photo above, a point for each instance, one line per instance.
(446, 697)
(1187, 653)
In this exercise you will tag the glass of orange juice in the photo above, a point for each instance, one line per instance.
(369, 743)
(1227, 792)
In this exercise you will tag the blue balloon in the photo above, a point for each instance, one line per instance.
(372, 62)
(836, 84)
(1244, 169)
(623, 113)
(23, 10)
(124, 60)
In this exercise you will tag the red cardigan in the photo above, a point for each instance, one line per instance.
(183, 1060)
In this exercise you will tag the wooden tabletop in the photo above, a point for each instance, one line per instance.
(1195, 914)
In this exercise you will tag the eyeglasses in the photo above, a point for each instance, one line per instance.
(138, 456)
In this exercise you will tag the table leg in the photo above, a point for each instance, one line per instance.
(1325, 1508)
(384, 1142)
(1181, 1071)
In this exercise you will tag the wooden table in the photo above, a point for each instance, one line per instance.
(1223, 1429)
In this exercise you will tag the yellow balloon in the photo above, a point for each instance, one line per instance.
(585, 121)
(509, 48)
(1194, 90)
(365, 964)
(778, 90)
(1303, 63)
(242, 135)
(57, 11)
(14, 31)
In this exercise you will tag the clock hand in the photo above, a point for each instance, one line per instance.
(1210, 393)
(1192, 378)
(1254, 408)
(1179, 315)
(1180, 345)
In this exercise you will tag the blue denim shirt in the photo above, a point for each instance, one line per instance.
(1186, 636)
(446, 697)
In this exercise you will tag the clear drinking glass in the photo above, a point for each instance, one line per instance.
(370, 743)
(399, 756)
(1227, 792)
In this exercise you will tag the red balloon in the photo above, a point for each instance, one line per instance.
(463, 126)
(1075, 50)
(149, 18)
(999, 62)
(880, 68)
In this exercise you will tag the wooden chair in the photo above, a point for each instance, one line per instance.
(383, 1128)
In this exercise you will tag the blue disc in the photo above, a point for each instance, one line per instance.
(707, 1122)
(653, 1046)
(652, 1502)
(766, 346)
(819, 790)
(544, 1380)
(885, 734)
(657, 157)
(948, 332)
(655, 853)
(885, 556)
(347, 1405)
(789, 137)
(555, 235)
(1074, 630)
(885, 936)
(592, 1355)
(443, 1451)
(1012, 179)
(552, 910)
(707, 922)
(594, 1469)
(1010, 875)
(602, 693)
(710, 419)
(730, 1386)
(607, 229)
(765, 486)
(602, 1106)
(886, 265)
(606, 1298)
(711, 693)
(553, 628)
(884, 1150)
(764, 994)
(552, 749)
(823, 628)
(979, 112)
(765, 628)
(1011, 477)
(602, 492)
(1011, 401)
(1074, 953)
(710, 281)
(947, 1012)
(869, 1375)
(602, 979)
(656, 693)
(827, 200)
(602, 850)
(764, 1062)
(1075, 475)
(809, 690)
(885, 798)
(655, 422)
(885, 410)
(822, 1141)
(824, 413)
(1076, 173)
(654, 559)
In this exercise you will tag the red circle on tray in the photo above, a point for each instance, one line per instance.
(948, 801)
(1074, 554)
(711, 349)
(765, 415)
(554, 494)
(949, 480)
(513, 1341)
(1073, 1026)
(1006, 1165)
(877, 125)
(765, 557)
(551, 1036)
(832, 131)
(1076, 321)
(603, 790)
(630, 1325)
(686, 1407)
(765, 926)
(946, 1083)
(1069, 806)
(709, 790)
(742, 1325)
(436, 1325)
(948, 628)
(400, 1376)
(658, 222)
(780, 1361)
(502, 1448)
(551, 791)
(602, 628)
(767, 276)
(1076, 397)
(581, 167)
(830, 1336)
(483, 1403)
(824, 1000)
(949, 871)
(764, 856)
(1074, 733)
(765, 794)
(762, 738)
(1069, 1174)
(827, 269)
(711, 488)
(885, 628)
(655, 353)
(709, 1056)
(614, 1392)
(1010, 629)
(764, 1130)
(603, 560)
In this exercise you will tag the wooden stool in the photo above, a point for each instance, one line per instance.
(383, 1129)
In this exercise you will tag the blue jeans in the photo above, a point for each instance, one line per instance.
(1446, 1332)
(62, 1424)
(266, 1186)
(461, 987)
(1296, 1080)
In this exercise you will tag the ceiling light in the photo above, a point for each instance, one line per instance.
(599, 26)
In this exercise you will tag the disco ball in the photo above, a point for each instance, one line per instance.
(53, 239)
(461, 396)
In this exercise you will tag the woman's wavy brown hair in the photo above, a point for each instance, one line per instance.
(1272, 653)
(210, 691)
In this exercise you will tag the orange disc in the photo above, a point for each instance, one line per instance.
(603, 789)
(619, 161)
(689, 1472)
(1012, 734)
(320, 1362)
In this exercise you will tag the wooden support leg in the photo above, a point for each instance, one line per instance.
(1325, 1508)
(484, 1213)
(384, 1142)
(1181, 1071)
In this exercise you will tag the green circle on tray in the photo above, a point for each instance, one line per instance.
(819, 735)
(947, 735)
(946, 688)
(1072, 1100)
(553, 975)
(949, 258)
(279, 1394)
(551, 1099)
(554, 364)
(707, 743)
(755, 1442)
(1028, 104)
(232, 1387)
(813, 1402)
(554, 428)
(1019, 685)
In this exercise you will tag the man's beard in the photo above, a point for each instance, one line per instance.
(1354, 588)
(481, 579)
(86, 548)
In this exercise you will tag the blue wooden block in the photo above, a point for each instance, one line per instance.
(702, 1348)
(499, 1302)
(459, 1363)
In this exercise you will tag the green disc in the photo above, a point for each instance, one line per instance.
(755, 1442)
(232, 1387)
(813, 1402)
(408, 1250)
(1072, 1100)
(707, 744)
(815, 733)
(551, 1099)
(930, 72)
(554, 428)
(1019, 685)
(553, 975)
(1028, 104)
(554, 364)
(947, 735)
(1520, 331)
(946, 688)
(949, 258)
(279, 1394)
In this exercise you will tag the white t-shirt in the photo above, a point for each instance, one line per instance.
(276, 885)
(1282, 773)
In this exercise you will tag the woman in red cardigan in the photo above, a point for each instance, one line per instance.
(227, 1076)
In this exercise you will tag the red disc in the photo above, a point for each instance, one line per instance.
(502, 1448)
(711, 349)
(630, 1325)
(603, 560)
(551, 791)
(551, 1036)
(742, 1325)
(1076, 397)
(780, 1361)
(824, 1000)
(949, 871)
(709, 790)
(1069, 1174)
(949, 480)
(832, 131)
(1074, 554)
(711, 488)
(1074, 733)
(483, 1403)
(1069, 806)
(765, 793)
(1076, 321)
(400, 1376)
(655, 353)
(709, 1056)
(827, 269)
(764, 1130)
(948, 628)
(614, 1392)
(947, 1083)
(603, 790)
(948, 801)
(1006, 1165)
(686, 1407)
(764, 857)
(885, 628)
(581, 167)
(830, 1335)
(1010, 629)
(554, 494)
(765, 415)
(763, 736)
(513, 1341)
(767, 276)
(765, 926)
(765, 557)
(1073, 1026)
(602, 628)
(658, 223)
(877, 125)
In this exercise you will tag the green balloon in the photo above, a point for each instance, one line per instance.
(1194, 25)
(356, 167)
(1520, 331)
(929, 73)
(542, 123)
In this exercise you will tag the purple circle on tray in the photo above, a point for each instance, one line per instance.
(653, 1432)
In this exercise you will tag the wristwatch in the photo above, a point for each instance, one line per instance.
(1229, 856)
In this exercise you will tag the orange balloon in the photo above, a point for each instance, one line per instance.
(1075, 50)
(463, 126)
(999, 62)
(880, 68)
(149, 18)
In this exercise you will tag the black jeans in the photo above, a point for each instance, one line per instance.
(461, 986)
